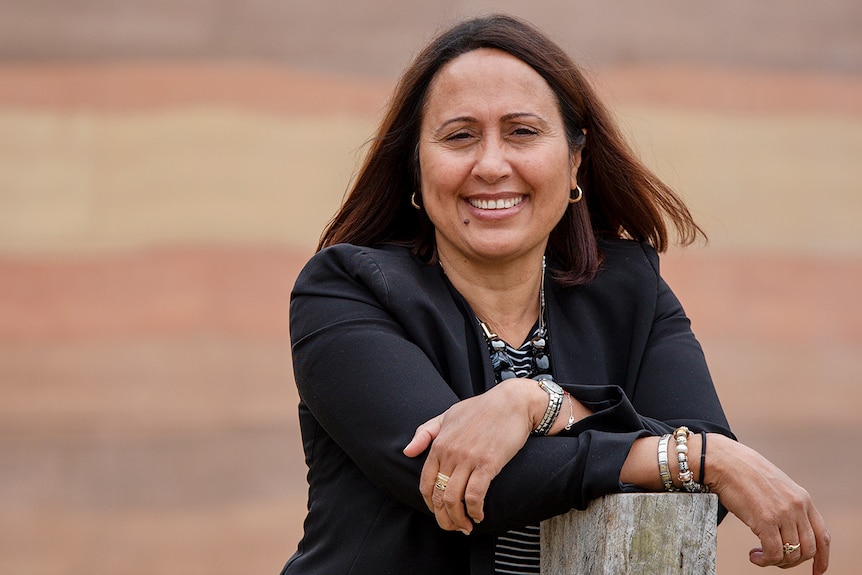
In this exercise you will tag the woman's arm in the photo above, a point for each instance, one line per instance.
(366, 384)
(673, 386)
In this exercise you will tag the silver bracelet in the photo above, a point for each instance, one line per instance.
(685, 475)
(571, 420)
(555, 402)
(663, 465)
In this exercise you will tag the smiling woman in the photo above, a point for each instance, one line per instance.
(484, 341)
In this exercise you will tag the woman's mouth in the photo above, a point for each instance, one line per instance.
(500, 204)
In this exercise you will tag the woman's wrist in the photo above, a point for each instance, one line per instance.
(681, 461)
(529, 396)
(535, 400)
(717, 462)
(642, 468)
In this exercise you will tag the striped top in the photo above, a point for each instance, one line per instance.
(517, 552)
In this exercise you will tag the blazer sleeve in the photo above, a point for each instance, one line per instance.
(673, 385)
(366, 384)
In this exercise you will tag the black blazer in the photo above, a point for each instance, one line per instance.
(382, 342)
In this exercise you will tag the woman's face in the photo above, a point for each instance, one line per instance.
(496, 168)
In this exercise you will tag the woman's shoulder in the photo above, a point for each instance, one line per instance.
(350, 257)
(372, 266)
(389, 277)
(351, 254)
(625, 287)
(628, 256)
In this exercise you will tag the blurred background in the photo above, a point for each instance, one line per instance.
(166, 168)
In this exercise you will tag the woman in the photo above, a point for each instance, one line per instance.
(484, 341)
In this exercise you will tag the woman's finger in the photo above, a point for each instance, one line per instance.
(770, 551)
(474, 494)
(823, 541)
(428, 478)
(425, 434)
(453, 499)
(783, 546)
(791, 548)
(438, 507)
(448, 504)
(807, 541)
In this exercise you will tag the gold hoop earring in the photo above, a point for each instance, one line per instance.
(413, 202)
(580, 195)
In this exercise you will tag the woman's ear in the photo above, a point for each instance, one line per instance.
(576, 163)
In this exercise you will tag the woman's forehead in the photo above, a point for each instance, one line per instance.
(489, 77)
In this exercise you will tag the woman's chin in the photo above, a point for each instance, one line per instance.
(501, 250)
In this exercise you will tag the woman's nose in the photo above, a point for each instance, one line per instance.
(491, 164)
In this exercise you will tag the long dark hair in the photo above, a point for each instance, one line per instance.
(622, 197)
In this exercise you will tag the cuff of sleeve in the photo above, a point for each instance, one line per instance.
(612, 410)
(607, 454)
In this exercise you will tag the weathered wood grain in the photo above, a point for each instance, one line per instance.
(634, 534)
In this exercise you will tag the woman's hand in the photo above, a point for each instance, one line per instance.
(776, 509)
(470, 443)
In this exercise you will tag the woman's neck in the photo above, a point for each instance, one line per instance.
(504, 296)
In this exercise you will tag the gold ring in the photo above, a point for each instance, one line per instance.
(789, 548)
(441, 482)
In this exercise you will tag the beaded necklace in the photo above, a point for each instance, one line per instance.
(503, 366)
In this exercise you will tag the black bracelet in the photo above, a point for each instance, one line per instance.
(702, 458)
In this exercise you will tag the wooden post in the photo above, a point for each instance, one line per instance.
(634, 534)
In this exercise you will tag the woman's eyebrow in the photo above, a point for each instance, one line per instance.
(519, 115)
(456, 120)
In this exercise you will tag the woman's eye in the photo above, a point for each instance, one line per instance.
(524, 131)
(458, 136)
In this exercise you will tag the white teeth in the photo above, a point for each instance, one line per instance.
(496, 204)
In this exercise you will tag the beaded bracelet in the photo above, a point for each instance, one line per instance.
(685, 475)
